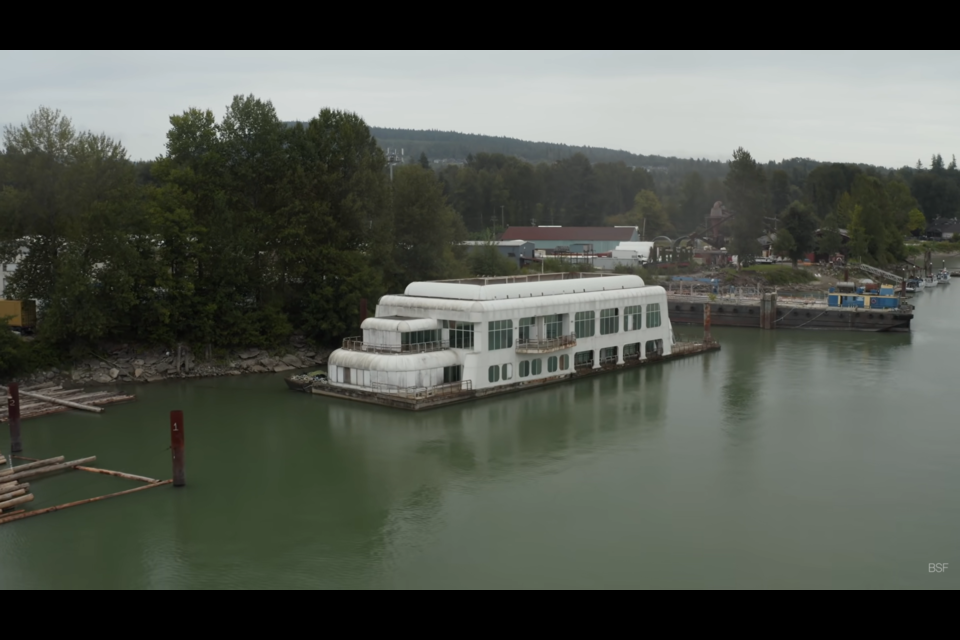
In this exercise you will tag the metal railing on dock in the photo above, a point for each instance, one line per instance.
(356, 343)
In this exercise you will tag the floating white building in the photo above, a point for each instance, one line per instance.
(483, 334)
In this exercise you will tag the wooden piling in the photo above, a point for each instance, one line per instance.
(176, 447)
(13, 411)
(707, 337)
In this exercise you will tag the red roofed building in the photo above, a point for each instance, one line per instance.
(574, 239)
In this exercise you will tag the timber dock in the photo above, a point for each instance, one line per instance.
(45, 399)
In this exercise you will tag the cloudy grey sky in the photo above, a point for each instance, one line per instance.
(873, 107)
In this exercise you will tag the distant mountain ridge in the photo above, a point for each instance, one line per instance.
(455, 146)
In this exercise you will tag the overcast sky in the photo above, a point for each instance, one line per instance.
(878, 108)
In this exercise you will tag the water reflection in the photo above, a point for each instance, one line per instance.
(746, 353)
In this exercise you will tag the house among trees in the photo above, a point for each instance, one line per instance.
(944, 228)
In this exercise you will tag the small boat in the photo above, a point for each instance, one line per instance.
(930, 281)
(943, 276)
(303, 381)
(914, 285)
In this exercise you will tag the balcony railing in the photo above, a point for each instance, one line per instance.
(357, 344)
(546, 345)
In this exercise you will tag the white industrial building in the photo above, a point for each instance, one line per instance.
(494, 332)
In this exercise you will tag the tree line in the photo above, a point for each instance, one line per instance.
(248, 228)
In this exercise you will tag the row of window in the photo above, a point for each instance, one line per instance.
(609, 354)
(420, 337)
(498, 372)
(500, 332)
(584, 322)
(461, 334)
(528, 368)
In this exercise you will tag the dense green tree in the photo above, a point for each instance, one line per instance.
(916, 221)
(424, 161)
(830, 241)
(798, 222)
(695, 203)
(426, 229)
(747, 191)
(780, 190)
(859, 241)
(486, 260)
(785, 245)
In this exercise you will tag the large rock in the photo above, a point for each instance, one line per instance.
(161, 367)
(292, 361)
(137, 372)
(153, 378)
(249, 353)
(282, 367)
(138, 362)
(114, 373)
(268, 362)
(258, 369)
(74, 375)
(103, 379)
(309, 354)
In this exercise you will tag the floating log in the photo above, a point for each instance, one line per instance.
(16, 493)
(11, 513)
(4, 519)
(16, 501)
(106, 472)
(13, 487)
(66, 403)
(118, 474)
(32, 465)
(66, 466)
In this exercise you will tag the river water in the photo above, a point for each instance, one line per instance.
(787, 460)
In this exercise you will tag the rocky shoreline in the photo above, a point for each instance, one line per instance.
(128, 364)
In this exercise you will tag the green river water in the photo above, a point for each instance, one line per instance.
(787, 460)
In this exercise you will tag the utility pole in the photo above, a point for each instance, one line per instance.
(502, 223)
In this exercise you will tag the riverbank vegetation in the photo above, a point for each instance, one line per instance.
(248, 229)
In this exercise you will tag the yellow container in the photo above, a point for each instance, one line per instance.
(22, 313)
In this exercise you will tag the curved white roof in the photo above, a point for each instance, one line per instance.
(393, 362)
(531, 304)
(524, 287)
(399, 324)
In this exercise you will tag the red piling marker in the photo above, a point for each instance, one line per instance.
(13, 407)
(176, 446)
